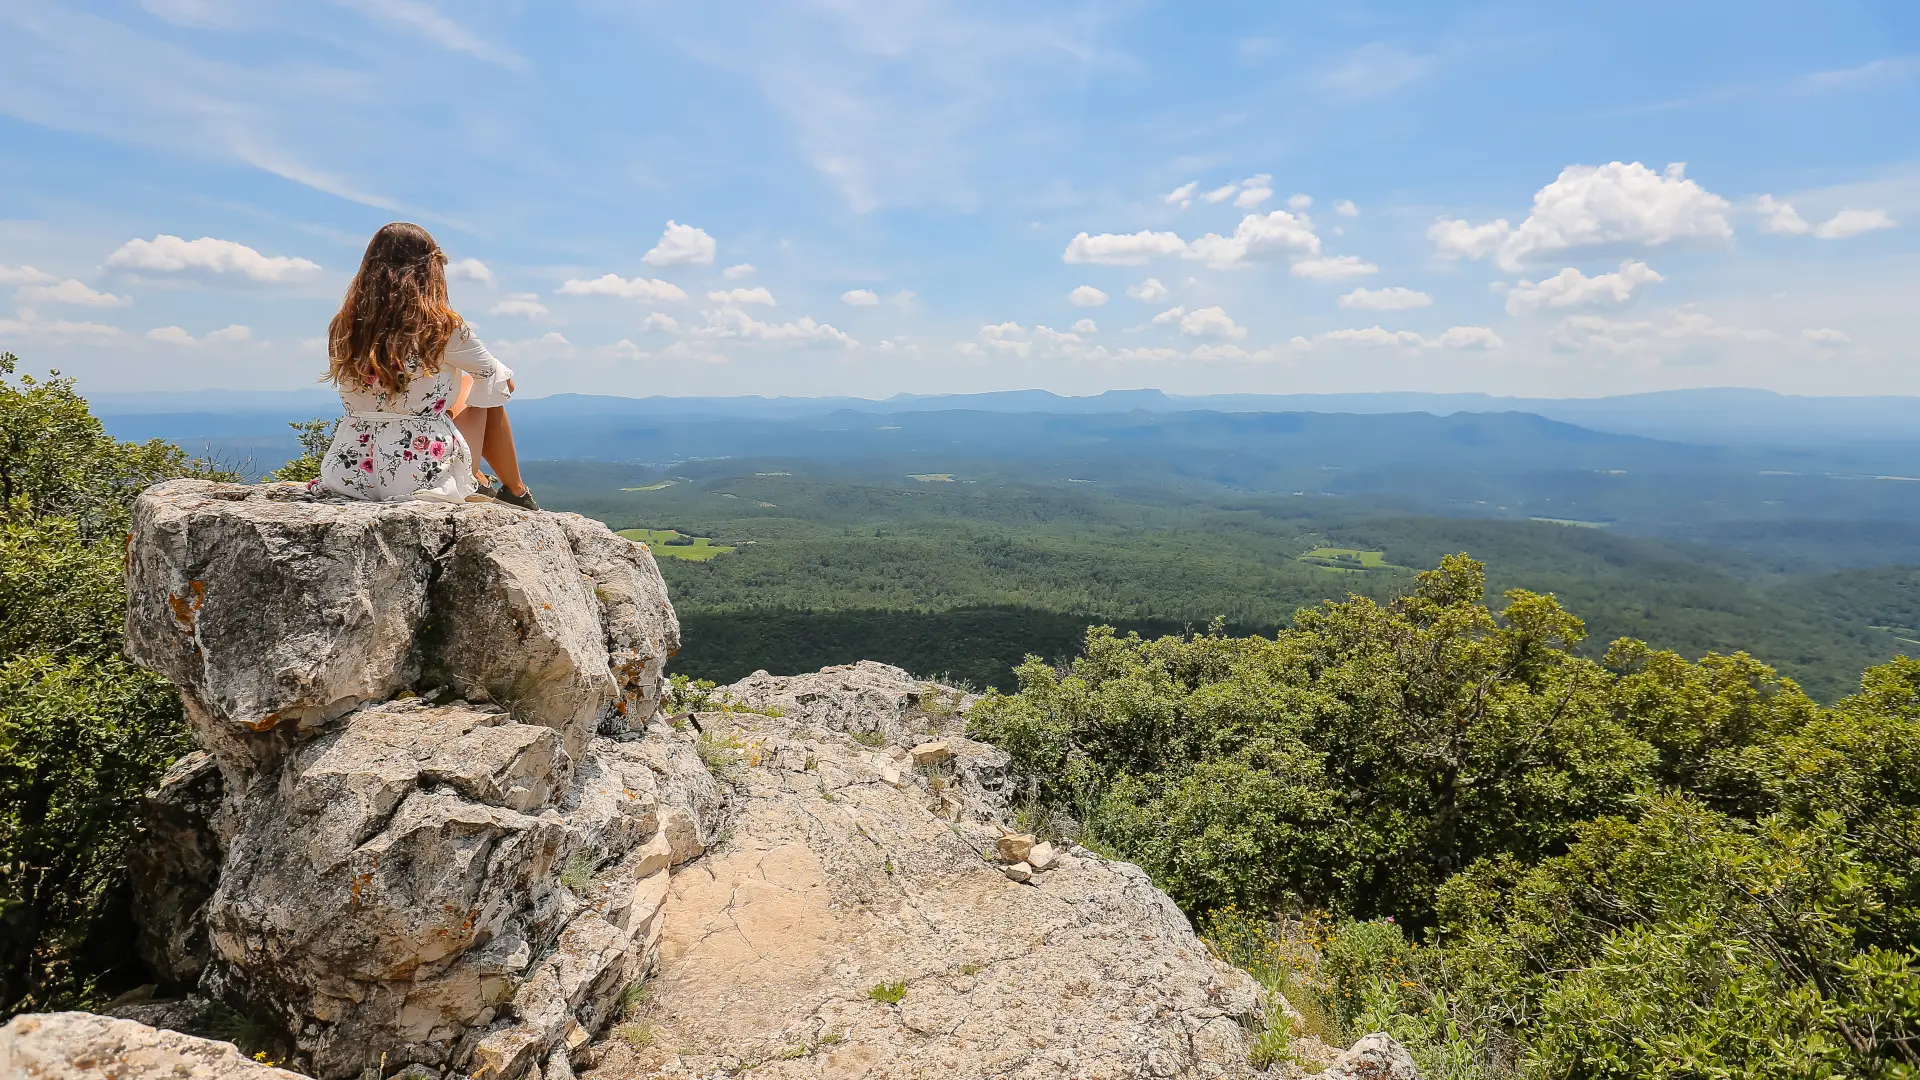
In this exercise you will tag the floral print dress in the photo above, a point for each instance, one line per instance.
(404, 445)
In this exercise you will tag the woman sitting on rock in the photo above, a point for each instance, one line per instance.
(420, 392)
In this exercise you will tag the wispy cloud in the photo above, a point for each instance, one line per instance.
(429, 23)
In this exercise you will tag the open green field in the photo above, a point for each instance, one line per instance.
(1348, 560)
(663, 543)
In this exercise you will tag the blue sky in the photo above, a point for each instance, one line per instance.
(863, 197)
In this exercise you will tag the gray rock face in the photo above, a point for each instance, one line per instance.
(415, 843)
(276, 612)
(83, 1046)
(854, 924)
(1375, 1057)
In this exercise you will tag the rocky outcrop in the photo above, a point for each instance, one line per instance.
(858, 921)
(427, 850)
(83, 1046)
(441, 828)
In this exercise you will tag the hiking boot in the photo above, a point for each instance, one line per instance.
(524, 500)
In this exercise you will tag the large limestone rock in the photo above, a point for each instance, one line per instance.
(853, 924)
(83, 1046)
(416, 844)
(276, 612)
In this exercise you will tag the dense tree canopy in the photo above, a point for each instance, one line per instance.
(1633, 867)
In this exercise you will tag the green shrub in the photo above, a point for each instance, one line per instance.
(1536, 865)
(82, 732)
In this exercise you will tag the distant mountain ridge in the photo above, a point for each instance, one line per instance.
(1727, 415)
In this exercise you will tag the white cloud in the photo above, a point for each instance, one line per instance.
(681, 244)
(657, 321)
(1299, 202)
(549, 346)
(650, 289)
(1257, 235)
(1457, 337)
(469, 270)
(174, 335)
(737, 271)
(1570, 288)
(1205, 322)
(1374, 336)
(1181, 196)
(1682, 330)
(166, 254)
(1782, 219)
(741, 296)
(1848, 223)
(1469, 337)
(1042, 342)
(1278, 232)
(1459, 240)
(1392, 298)
(1122, 249)
(71, 292)
(22, 275)
(1221, 193)
(860, 297)
(1595, 206)
(625, 349)
(1345, 208)
(1086, 296)
(1148, 291)
(1334, 268)
(1826, 337)
(28, 324)
(520, 305)
(734, 323)
(1254, 191)
(1779, 218)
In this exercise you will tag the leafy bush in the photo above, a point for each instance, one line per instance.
(315, 437)
(1356, 760)
(1536, 865)
(82, 732)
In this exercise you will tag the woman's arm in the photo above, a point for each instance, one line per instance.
(460, 396)
(465, 353)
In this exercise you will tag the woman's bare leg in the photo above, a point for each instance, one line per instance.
(473, 428)
(500, 451)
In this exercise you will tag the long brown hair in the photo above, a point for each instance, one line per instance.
(395, 311)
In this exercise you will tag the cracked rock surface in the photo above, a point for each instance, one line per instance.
(853, 921)
(426, 827)
(84, 1046)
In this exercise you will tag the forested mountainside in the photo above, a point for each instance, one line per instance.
(964, 574)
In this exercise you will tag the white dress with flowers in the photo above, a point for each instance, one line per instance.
(404, 445)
